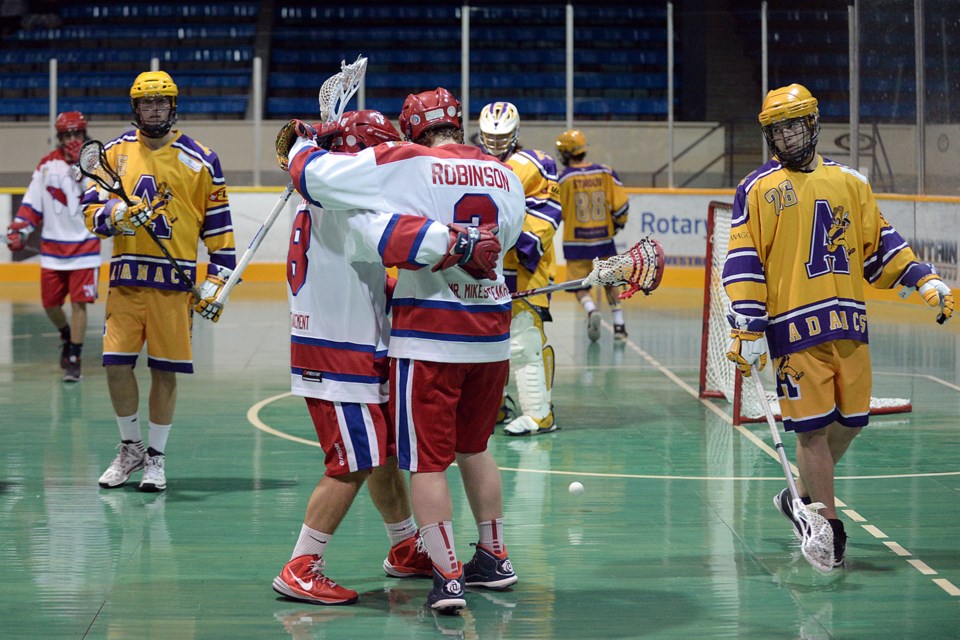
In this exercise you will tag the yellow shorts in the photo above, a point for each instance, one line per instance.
(829, 382)
(579, 269)
(163, 319)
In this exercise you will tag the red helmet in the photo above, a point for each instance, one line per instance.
(429, 109)
(362, 129)
(70, 121)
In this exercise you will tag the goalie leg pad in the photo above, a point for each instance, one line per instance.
(533, 366)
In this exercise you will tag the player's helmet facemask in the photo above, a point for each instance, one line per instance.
(790, 121)
(153, 98)
(71, 129)
(499, 129)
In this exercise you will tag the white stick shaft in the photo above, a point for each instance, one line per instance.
(254, 245)
(778, 443)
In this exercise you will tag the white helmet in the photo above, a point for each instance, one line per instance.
(499, 129)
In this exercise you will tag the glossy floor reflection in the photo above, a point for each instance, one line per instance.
(675, 535)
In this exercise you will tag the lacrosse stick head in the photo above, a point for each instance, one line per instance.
(816, 535)
(337, 90)
(640, 268)
(93, 163)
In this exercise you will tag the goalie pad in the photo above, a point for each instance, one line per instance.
(530, 359)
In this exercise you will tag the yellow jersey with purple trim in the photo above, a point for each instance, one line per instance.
(801, 246)
(595, 207)
(532, 262)
(198, 210)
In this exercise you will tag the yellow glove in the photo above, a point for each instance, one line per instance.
(938, 295)
(748, 342)
(128, 218)
(207, 306)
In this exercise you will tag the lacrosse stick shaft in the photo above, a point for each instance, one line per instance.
(778, 443)
(184, 278)
(253, 246)
(560, 286)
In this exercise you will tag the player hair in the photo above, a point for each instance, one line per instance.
(429, 137)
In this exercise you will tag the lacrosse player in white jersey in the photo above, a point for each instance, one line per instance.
(69, 253)
(338, 363)
(450, 335)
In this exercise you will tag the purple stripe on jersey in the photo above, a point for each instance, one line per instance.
(353, 416)
(823, 321)
(529, 251)
(156, 274)
(589, 252)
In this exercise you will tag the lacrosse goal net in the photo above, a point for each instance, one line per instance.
(719, 378)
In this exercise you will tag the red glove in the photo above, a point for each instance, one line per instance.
(476, 249)
(17, 234)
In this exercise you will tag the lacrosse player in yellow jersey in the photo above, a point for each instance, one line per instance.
(530, 264)
(595, 208)
(147, 301)
(806, 233)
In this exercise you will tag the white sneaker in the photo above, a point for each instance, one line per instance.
(154, 479)
(593, 326)
(131, 458)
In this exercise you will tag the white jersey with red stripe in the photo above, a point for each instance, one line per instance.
(338, 315)
(444, 316)
(53, 201)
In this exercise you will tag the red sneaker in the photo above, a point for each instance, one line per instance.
(302, 579)
(408, 559)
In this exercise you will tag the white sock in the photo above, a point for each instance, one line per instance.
(617, 315)
(400, 531)
(588, 306)
(438, 540)
(157, 436)
(129, 428)
(311, 542)
(491, 535)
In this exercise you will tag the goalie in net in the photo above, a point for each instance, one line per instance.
(805, 233)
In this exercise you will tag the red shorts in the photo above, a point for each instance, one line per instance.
(354, 436)
(441, 409)
(81, 284)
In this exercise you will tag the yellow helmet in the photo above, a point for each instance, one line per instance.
(786, 103)
(151, 84)
(571, 143)
(790, 121)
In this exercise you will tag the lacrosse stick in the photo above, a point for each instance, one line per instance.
(641, 268)
(94, 165)
(816, 534)
(335, 92)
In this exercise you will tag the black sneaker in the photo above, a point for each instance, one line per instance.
(489, 570)
(619, 332)
(447, 593)
(784, 504)
(839, 542)
(71, 372)
(64, 353)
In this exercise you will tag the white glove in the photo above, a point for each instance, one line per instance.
(937, 294)
(207, 306)
(748, 342)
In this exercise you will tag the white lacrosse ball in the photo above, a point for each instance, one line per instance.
(575, 488)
